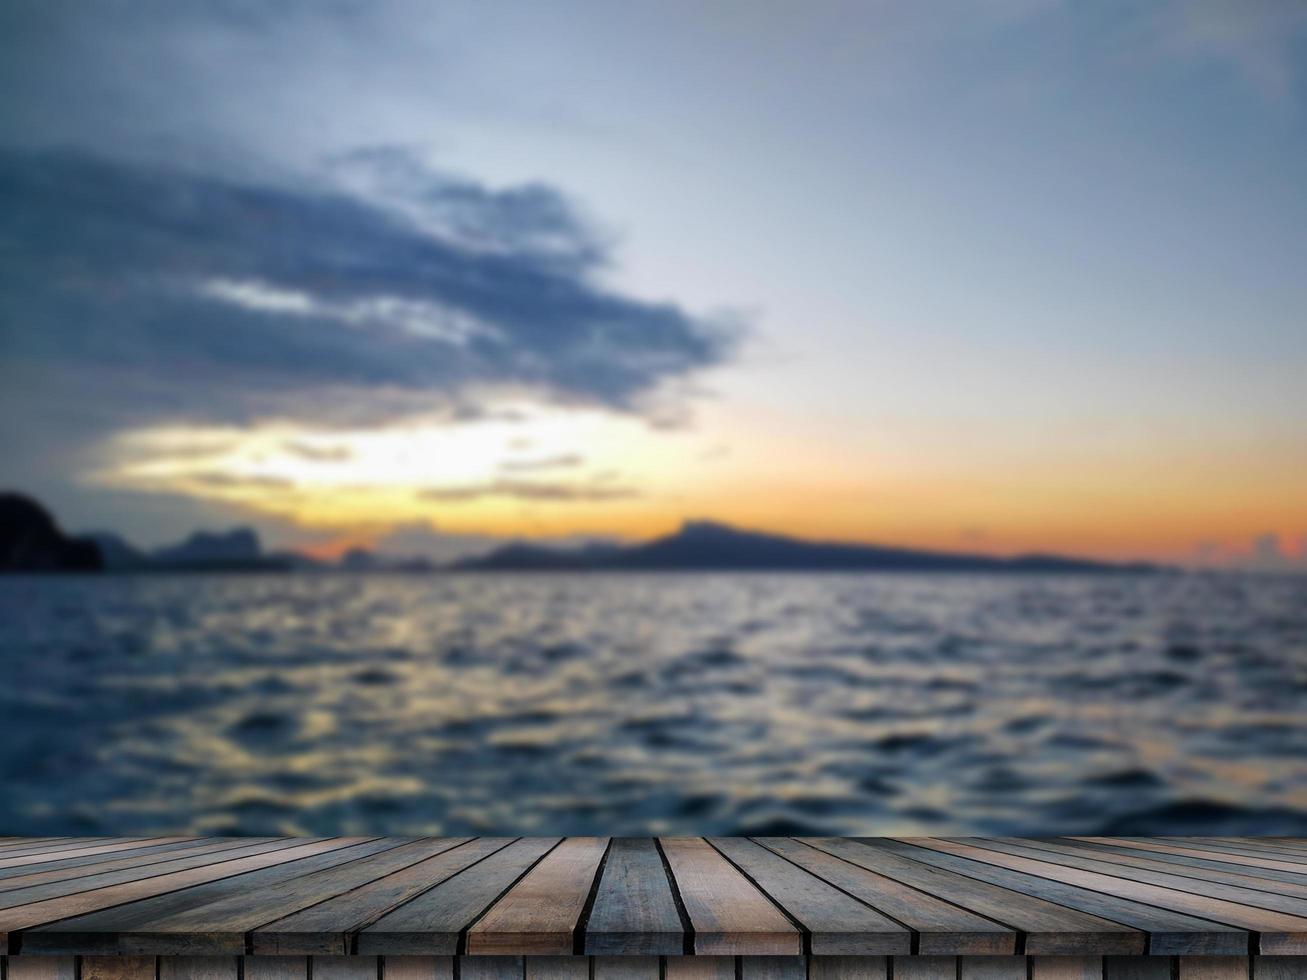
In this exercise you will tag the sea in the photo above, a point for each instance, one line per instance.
(675, 703)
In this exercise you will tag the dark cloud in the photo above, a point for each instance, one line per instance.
(528, 490)
(561, 461)
(169, 295)
(531, 218)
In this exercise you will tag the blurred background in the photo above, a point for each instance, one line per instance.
(653, 418)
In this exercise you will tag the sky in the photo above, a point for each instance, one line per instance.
(993, 275)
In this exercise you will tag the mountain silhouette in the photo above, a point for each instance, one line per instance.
(236, 550)
(30, 540)
(206, 547)
(117, 552)
(709, 545)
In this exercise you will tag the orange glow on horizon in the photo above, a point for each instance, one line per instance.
(337, 548)
(572, 472)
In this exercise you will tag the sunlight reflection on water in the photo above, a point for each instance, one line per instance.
(630, 704)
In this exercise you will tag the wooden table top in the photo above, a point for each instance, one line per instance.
(729, 896)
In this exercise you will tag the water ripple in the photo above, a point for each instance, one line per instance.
(768, 704)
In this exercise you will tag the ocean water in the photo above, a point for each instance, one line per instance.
(637, 704)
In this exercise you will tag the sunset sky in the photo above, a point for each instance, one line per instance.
(994, 275)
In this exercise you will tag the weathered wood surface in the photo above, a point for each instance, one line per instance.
(848, 967)
(1046, 926)
(940, 927)
(1168, 932)
(728, 914)
(677, 967)
(111, 930)
(436, 921)
(221, 925)
(835, 923)
(539, 913)
(290, 968)
(981, 907)
(326, 928)
(1280, 932)
(625, 967)
(635, 911)
(773, 968)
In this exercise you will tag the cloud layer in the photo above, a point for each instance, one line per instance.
(177, 295)
(531, 490)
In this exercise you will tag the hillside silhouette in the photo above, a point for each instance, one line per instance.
(31, 541)
(709, 545)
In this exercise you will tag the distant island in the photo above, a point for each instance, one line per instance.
(711, 546)
(31, 541)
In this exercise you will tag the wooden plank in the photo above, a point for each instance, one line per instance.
(1185, 861)
(943, 928)
(773, 968)
(1279, 932)
(42, 968)
(729, 915)
(837, 924)
(555, 968)
(1244, 844)
(275, 967)
(327, 927)
(1213, 968)
(925, 967)
(488, 968)
(146, 854)
(199, 967)
(1241, 848)
(345, 968)
(118, 968)
(220, 926)
(81, 849)
(1279, 967)
(626, 967)
(38, 844)
(539, 914)
(848, 967)
(994, 968)
(634, 911)
(1250, 862)
(434, 921)
(1192, 896)
(1214, 887)
(1066, 968)
(1170, 932)
(39, 913)
(1145, 863)
(101, 932)
(1137, 967)
(699, 968)
(29, 894)
(1049, 928)
(416, 968)
(73, 845)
